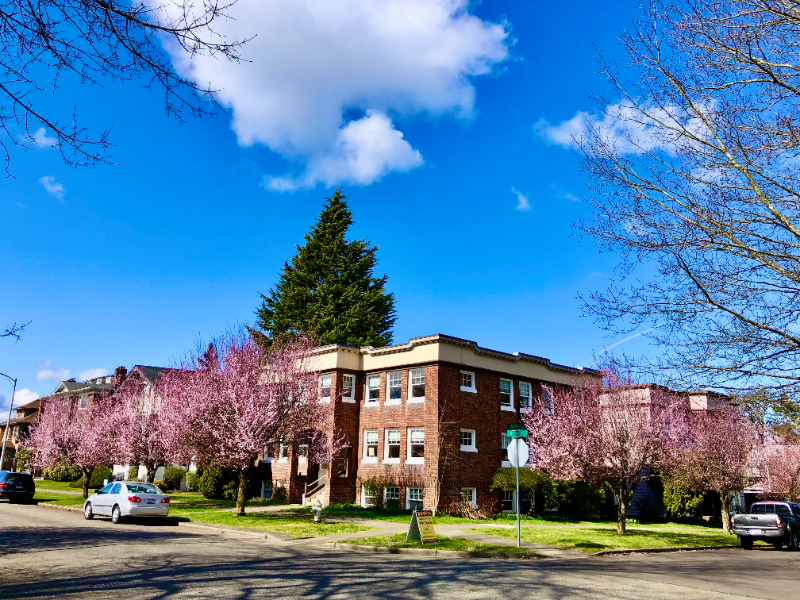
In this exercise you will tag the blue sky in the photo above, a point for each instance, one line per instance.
(130, 263)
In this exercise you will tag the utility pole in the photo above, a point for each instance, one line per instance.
(10, 406)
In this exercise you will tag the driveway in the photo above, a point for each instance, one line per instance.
(54, 554)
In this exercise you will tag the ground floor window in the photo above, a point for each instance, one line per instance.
(508, 501)
(367, 497)
(470, 495)
(414, 498)
(391, 496)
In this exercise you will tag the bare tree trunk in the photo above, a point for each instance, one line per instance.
(151, 471)
(241, 498)
(87, 478)
(725, 497)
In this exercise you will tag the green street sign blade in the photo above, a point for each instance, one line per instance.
(516, 430)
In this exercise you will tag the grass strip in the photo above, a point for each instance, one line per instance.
(57, 499)
(442, 543)
(599, 538)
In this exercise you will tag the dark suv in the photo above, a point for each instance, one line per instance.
(17, 487)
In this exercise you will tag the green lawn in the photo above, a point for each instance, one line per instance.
(55, 485)
(597, 538)
(57, 499)
(395, 516)
(196, 499)
(442, 543)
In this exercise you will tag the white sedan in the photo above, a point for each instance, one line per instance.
(121, 499)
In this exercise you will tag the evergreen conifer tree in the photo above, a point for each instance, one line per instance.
(328, 289)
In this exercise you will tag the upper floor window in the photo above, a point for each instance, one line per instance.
(416, 444)
(525, 395)
(373, 389)
(506, 394)
(416, 385)
(467, 381)
(547, 400)
(302, 453)
(341, 466)
(468, 440)
(394, 385)
(371, 444)
(392, 452)
(325, 387)
(83, 401)
(504, 440)
(283, 450)
(348, 388)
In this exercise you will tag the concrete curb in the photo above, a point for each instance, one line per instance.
(424, 552)
(657, 550)
(56, 507)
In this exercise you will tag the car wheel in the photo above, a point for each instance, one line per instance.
(745, 543)
(87, 512)
(116, 515)
(794, 541)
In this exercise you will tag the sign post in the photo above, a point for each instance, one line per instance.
(518, 452)
(421, 527)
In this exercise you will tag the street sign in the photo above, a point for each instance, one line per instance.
(518, 452)
(516, 430)
(421, 527)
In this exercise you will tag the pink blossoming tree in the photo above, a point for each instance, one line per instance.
(611, 434)
(236, 401)
(83, 437)
(782, 469)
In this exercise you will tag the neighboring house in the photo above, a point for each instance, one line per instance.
(393, 403)
(24, 416)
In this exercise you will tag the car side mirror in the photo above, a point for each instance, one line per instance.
(99, 491)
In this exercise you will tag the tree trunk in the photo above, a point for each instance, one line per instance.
(151, 471)
(622, 513)
(241, 498)
(87, 479)
(726, 513)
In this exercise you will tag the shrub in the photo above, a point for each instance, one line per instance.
(279, 494)
(133, 473)
(23, 456)
(160, 485)
(376, 487)
(576, 500)
(173, 477)
(215, 483)
(192, 482)
(99, 474)
(62, 472)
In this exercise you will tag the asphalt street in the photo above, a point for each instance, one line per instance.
(54, 554)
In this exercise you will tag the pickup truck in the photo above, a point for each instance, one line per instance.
(775, 523)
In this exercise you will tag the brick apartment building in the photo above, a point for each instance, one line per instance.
(428, 416)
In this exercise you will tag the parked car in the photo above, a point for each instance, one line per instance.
(776, 523)
(17, 487)
(120, 499)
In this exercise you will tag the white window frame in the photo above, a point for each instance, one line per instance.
(473, 493)
(370, 459)
(547, 400)
(352, 397)
(321, 387)
(472, 389)
(414, 399)
(511, 399)
(367, 400)
(386, 493)
(283, 448)
(416, 460)
(389, 400)
(408, 496)
(364, 498)
(386, 458)
(525, 408)
(471, 447)
(83, 402)
(301, 454)
(513, 494)
(504, 437)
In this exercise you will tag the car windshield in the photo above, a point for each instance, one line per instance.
(142, 488)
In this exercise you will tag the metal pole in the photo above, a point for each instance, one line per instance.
(5, 434)
(516, 501)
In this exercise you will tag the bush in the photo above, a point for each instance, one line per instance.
(192, 482)
(217, 484)
(160, 485)
(133, 473)
(99, 474)
(23, 456)
(279, 494)
(62, 472)
(173, 477)
(575, 500)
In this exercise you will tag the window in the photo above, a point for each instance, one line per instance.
(371, 445)
(508, 501)
(414, 498)
(341, 467)
(759, 509)
(468, 440)
(373, 389)
(367, 497)
(302, 453)
(82, 402)
(416, 385)
(391, 495)
(325, 388)
(525, 396)
(547, 400)
(782, 510)
(506, 394)
(348, 387)
(416, 445)
(467, 381)
(394, 385)
(470, 495)
(116, 489)
(392, 452)
(283, 450)
(504, 439)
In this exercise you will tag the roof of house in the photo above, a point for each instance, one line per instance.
(76, 387)
(30, 405)
(149, 373)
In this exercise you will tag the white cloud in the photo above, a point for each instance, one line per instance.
(42, 139)
(626, 128)
(92, 374)
(20, 205)
(596, 274)
(52, 187)
(55, 375)
(21, 397)
(562, 193)
(522, 200)
(315, 62)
